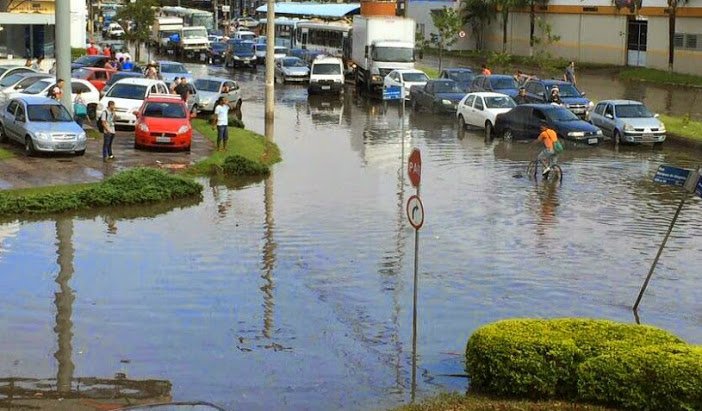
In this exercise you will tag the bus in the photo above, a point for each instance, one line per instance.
(191, 17)
(284, 30)
(329, 38)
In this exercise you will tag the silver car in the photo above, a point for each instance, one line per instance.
(42, 125)
(628, 121)
(291, 69)
(211, 88)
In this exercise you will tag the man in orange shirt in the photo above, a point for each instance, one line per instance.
(92, 50)
(549, 138)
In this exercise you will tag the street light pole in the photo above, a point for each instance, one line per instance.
(63, 49)
(270, 81)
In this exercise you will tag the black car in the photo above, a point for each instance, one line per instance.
(89, 61)
(539, 91)
(438, 96)
(217, 52)
(524, 123)
(461, 75)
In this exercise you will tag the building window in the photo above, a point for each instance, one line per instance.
(687, 41)
(691, 41)
(678, 40)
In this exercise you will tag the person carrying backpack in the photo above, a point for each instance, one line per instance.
(80, 109)
(106, 125)
(552, 147)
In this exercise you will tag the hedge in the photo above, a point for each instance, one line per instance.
(237, 165)
(535, 358)
(667, 377)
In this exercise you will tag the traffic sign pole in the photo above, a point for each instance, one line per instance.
(415, 214)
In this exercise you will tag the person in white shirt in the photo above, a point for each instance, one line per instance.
(222, 114)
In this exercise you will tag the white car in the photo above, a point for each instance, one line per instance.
(480, 109)
(407, 78)
(89, 93)
(128, 95)
(114, 30)
(15, 83)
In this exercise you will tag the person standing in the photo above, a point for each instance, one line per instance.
(80, 109)
(107, 118)
(174, 84)
(569, 74)
(128, 65)
(151, 72)
(56, 91)
(92, 50)
(183, 89)
(521, 97)
(485, 70)
(107, 50)
(222, 114)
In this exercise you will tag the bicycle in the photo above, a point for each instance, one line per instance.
(553, 176)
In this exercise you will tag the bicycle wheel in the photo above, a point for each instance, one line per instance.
(532, 169)
(555, 175)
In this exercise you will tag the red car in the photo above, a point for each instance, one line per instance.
(163, 121)
(96, 76)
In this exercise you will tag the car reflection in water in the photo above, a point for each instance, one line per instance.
(324, 109)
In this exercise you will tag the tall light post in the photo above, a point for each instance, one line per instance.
(270, 81)
(63, 49)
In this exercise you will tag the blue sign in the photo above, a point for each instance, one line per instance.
(392, 93)
(698, 190)
(674, 176)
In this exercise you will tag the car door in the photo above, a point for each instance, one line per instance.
(608, 120)
(532, 125)
(514, 119)
(467, 110)
(233, 93)
(18, 125)
(479, 112)
(428, 95)
(8, 120)
(596, 116)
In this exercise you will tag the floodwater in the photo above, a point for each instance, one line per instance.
(295, 292)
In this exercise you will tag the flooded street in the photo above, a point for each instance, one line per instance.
(295, 292)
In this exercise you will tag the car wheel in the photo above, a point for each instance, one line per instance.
(3, 136)
(507, 135)
(187, 149)
(80, 153)
(92, 111)
(461, 122)
(616, 138)
(414, 105)
(488, 131)
(29, 146)
(194, 110)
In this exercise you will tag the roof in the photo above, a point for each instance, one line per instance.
(488, 94)
(616, 102)
(458, 69)
(171, 98)
(402, 71)
(220, 79)
(31, 99)
(554, 81)
(331, 10)
(138, 81)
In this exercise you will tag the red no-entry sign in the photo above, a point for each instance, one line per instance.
(414, 167)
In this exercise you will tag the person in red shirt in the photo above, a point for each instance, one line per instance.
(107, 50)
(92, 50)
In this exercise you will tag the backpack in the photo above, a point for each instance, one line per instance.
(558, 147)
(103, 116)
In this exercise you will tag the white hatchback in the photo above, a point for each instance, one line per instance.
(89, 93)
(480, 109)
(406, 78)
(128, 95)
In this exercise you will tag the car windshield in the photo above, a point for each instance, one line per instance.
(193, 33)
(500, 83)
(294, 62)
(280, 50)
(173, 68)
(48, 113)
(499, 102)
(26, 82)
(568, 90)
(394, 54)
(415, 77)
(326, 68)
(633, 111)
(247, 36)
(80, 73)
(208, 85)
(561, 114)
(446, 87)
(11, 79)
(37, 87)
(87, 60)
(164, 110)
(128, 91)
(219, 46)
(119, 76)
(460, 76)
(243, 47)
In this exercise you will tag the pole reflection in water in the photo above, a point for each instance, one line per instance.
(268, 259)
(64, 305)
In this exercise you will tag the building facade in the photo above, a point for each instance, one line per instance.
(597, 31)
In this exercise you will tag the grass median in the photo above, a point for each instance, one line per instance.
(683, 127)
(247, 153)
(472, 402)
(5, 154)
(135, 186)
(660, 77)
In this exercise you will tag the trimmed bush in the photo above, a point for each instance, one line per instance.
(535, 358)
(667, 377)
(235, 122)
(135, 186)
(77, 52)
(237, 165)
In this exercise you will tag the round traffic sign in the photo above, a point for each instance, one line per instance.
(415, 212)
(414, 167)
(461, 34)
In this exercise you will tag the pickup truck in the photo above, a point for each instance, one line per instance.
(437, 96)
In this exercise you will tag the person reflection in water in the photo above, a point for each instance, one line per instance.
(111, 224)
(548, 201)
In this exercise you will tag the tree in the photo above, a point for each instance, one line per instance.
(504, 7)
(477, 14)
(532, 22)
(448, 23)
(672, 13)
(142, 15)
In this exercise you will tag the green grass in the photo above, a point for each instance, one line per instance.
(93, 133)
(683, 127)
(431, 71)
(242, 142)
(473, 402)
(660, 77)
(135, 186)
(5, 154)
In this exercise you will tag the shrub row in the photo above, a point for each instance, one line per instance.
(589, 360)
(237, 165)
(139, 185)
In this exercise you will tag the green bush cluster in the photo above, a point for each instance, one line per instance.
(77, 52)
(135, 186)
(583, 359)
(235, 122)
(237, 165)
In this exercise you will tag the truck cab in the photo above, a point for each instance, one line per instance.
(386, 56)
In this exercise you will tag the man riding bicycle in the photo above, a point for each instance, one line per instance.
(549, 139)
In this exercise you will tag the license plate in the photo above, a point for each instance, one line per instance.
(648, 136)
(326, 87)
(163, 139)
(64, 146)
(203, 56)
(118, 118)
(592, 141)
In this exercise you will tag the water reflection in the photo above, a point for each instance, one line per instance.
(268, 258)
(64, 305)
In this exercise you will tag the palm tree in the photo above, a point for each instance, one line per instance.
(477, 14)
(672, 13)
(532, 21)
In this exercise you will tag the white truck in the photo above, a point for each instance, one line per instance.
(192, 41)
(379, 45)
(163, 28)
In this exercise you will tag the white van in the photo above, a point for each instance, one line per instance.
(245, 35)
(326, 75)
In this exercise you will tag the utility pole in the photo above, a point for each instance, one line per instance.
(270, 48)
(216, 15)
(63, 49)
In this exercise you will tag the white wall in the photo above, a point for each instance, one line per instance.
(79, 16)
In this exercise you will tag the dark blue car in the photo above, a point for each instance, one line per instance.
(240, 53)
(437, 96)
(539, 91)
(217, 52)
(524, 122)
(496, 83)
(462, 76)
